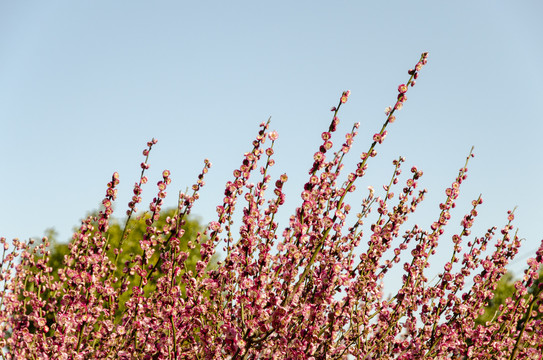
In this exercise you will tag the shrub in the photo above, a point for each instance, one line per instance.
(303, 293)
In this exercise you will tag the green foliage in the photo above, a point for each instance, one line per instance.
(506, 289)
(130, 248)
(58, 250)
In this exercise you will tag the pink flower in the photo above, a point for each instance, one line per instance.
(379, 137)
(273, 135)
(319, 157)
(161, 186)
(345, 96)
(388, 110)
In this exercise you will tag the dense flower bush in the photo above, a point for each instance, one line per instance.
(305, 292)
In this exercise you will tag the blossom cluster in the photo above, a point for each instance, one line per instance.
(307, 291)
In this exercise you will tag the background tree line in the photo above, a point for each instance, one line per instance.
(135, 228)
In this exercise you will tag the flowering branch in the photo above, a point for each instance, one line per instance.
(310, 292)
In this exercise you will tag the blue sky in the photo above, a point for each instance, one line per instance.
(84, 85)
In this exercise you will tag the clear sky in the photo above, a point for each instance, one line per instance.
(84, 85)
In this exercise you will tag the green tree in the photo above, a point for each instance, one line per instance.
(504, 290)
(133, 232)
